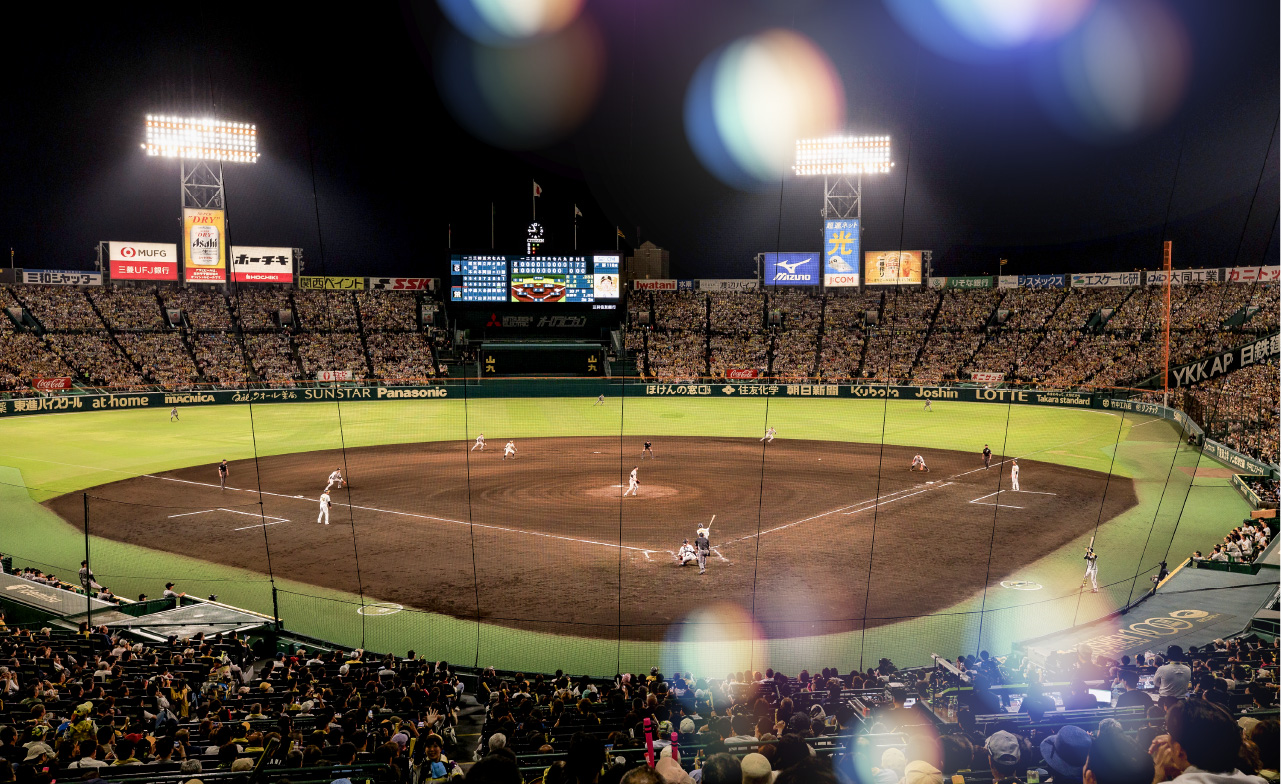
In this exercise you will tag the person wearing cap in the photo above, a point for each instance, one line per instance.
(1065, 753)
(756, 769)
(39, 754)
(921, 772)
(1005, 756)
(82, 727)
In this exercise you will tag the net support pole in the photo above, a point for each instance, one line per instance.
(275, 609)
(88, 566)
(1167, 263)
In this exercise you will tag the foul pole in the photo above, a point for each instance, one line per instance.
(1169, 274)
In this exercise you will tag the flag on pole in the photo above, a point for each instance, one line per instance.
(620, 232)
(538, 190)
(577, 212)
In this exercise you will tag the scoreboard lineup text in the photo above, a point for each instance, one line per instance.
(569, 279)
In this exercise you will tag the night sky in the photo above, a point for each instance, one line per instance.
(369, 164)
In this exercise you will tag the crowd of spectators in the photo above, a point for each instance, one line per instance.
(128, 308)
(23, 356)
(163, 357)
(325, 311)
(255, 308)
(738, 352)
(219, 358)
(59, 307)
(400, 357)
(737, 312)
(1242, 544)
(272, 357)
(95, 357)
(321, 351)
(1240, 410)
(388, 311)
(107, 706)
(677, 355)
(205, 310)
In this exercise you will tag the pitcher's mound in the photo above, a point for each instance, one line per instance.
(644, 491)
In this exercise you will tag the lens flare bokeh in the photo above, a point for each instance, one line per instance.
(527, 95)
(506, 22)
(714, 640)
(750, 101)
(1122, 72)
(983, 30)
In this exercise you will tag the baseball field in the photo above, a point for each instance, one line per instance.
(827, 551)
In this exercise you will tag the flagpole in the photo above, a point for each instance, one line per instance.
(617, 234)
(491, 225)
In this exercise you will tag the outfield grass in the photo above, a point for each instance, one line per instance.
(45, 456)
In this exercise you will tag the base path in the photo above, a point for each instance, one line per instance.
(557, 545)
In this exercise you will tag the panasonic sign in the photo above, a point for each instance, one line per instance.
(792, 269)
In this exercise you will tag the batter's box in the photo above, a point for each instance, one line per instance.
(981, 500)
(266, 519)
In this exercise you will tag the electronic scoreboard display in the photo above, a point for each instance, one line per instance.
(590, 278)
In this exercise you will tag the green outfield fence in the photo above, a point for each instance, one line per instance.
(58, 454)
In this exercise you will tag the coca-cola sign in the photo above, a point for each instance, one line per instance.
(51, 384)
(742, 373)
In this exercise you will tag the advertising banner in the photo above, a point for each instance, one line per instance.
(1042, 281)
(658, 284)
(51, 384)
(841, 253)
(968, 282)
(1105, 279)
(892, 268)
(142, 260)
(984, 377)
(252, 264)
(323, 283)
(1008, 282)
(791, 269)
(1252, 274)
(1229, 456)
(1225, 361)
(726, 284)
(31, 277)
(686, 284)
(742, 373)
(204, 235)
(402, 284)
(333, 375)
(1184, 277)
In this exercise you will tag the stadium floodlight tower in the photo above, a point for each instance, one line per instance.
(202, 145)
(842, 161)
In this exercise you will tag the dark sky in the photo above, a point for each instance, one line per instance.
(365, 166)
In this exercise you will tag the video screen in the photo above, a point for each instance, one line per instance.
(536, 279)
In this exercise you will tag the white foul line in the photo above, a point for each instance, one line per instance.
(260, 525)
(186, 514)
(419, 516)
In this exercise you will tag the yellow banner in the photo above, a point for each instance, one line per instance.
(204, 234)
(326, 283)
(892, 268)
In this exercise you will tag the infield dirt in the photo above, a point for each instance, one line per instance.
(546, 542)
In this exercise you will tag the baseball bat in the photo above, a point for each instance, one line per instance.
(1091, 547)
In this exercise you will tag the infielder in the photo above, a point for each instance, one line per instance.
(600, 401)
(687, 555)
(222, 473)
(173, 414)
(918, 464)
(632, 483)
(1091, 570)
(325, 504)
(648, 450)
(509, 450)
(703, 546)
(335, 479)
(1014, 474)
(769, 435)
(480, 443)
(987, 457)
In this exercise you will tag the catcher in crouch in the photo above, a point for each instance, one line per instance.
(687, 554)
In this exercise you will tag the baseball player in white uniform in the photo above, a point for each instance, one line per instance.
(325, 503)
(334, 479)
(509, 450)
(632, 483)
(1091, 570)
(600, 401)
(918, 464)
(687, 554)
(1014, 475)
(480, 443)
(173, 414)
(769, 435)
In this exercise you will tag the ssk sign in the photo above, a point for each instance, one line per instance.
(51, 384)
(252, 264)
(742, 373)
(142, 260)
(402, 284)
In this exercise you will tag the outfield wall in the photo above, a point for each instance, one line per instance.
(576, 387)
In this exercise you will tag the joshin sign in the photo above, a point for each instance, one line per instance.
(204, 234)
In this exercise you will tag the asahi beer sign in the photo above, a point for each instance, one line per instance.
(204, 233)
(142, 260)
(253, 264)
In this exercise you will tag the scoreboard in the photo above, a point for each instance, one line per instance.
(592, 278)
